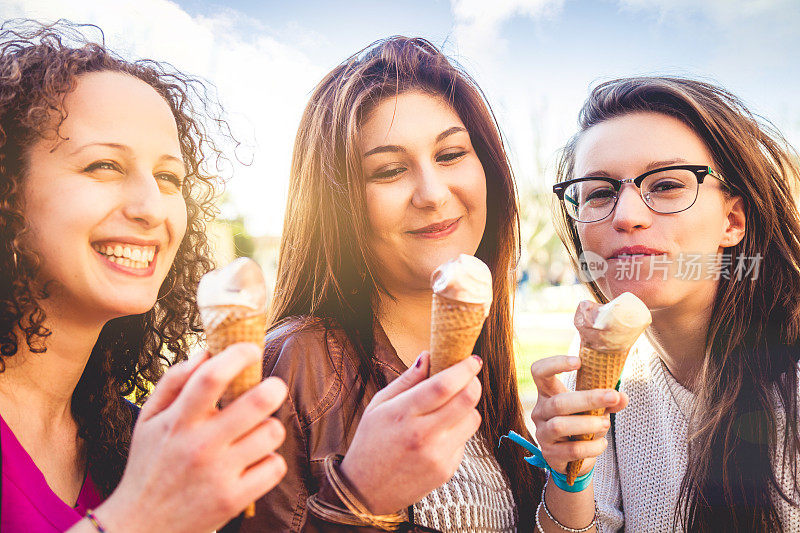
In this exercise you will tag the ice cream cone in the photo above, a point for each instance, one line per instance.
(455, 326)
(608, 333)
(599, 370)
(229, 324)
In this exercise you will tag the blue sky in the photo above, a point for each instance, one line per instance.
(535, 59)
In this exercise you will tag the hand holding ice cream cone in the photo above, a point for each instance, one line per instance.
(232, 302)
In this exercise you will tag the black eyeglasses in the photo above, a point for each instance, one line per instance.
(665, 190)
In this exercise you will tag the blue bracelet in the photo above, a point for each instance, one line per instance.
(538, 460)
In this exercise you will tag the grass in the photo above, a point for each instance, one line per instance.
(530, 348)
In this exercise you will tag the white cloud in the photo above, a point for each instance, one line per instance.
(478, 22)
(263, 82)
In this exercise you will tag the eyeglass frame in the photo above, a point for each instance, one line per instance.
(700, 172)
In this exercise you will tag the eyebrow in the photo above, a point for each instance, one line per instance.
(650, 166)
(448, 132)
(393, 148)
(123, 148)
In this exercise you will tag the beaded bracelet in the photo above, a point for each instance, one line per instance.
(543, 504)
(93, 520)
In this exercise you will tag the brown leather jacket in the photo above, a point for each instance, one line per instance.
(321, 374)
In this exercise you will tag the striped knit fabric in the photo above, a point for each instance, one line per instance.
(477, 498)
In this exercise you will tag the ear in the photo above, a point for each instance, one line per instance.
(736, 220)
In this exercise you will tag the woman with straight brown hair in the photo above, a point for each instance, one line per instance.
(398, 167)
(689, 200)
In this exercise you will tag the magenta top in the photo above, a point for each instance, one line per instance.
(29, 505)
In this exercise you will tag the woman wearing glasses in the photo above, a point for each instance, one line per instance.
(687, 200)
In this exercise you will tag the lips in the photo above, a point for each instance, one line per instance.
(628, 251)
(437, 228)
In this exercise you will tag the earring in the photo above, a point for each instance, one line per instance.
(169, 291)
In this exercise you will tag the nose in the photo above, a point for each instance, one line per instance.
(431, 190)
(631, 212)
(144, 200)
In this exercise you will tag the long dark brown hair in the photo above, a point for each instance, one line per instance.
(39, 66)
(747, 395)
(326, 268)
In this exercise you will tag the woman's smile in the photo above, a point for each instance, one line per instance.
(125, 256)
(437, 230)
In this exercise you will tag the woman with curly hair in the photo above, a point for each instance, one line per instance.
(104, 200)
(398, 167)
(690, 199)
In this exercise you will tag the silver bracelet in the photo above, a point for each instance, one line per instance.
(543, 504)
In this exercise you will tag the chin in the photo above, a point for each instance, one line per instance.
(134, 306)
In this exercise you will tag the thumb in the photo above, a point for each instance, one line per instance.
(415, 374)
(170, 385)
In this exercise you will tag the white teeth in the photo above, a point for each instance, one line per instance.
(130, 256)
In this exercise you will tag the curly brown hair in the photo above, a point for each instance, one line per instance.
(39, 65)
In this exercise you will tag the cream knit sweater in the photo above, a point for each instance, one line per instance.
(477, 498)
(637, 479)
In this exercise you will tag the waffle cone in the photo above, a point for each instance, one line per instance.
(231, 324)
(455, 326)
(599, 370)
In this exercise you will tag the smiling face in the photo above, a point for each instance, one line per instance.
(662, 244)
(425, 188)
(104, 200)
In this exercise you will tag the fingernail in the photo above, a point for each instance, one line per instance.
(574, 361)
(477, 358)
(606, 423)
(610, 396)
(419, 361)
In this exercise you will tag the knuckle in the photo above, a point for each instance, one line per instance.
(558, 403)
(476, 419)
(277, 386)
(473, 393)
(440, 389)
(197, 457)
(228, 502)
(275, 431)
(261, 399)
(415, 439)
(557, 426)
(209, 380)
(279, 464)
(537, 413)
(536, 370)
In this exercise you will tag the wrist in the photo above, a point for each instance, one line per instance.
(579, 509)
(358, 482)
(337, 503)
(115, 516)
